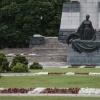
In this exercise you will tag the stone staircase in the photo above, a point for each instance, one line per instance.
(51, 54)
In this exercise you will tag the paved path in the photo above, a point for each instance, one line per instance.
(69, 95)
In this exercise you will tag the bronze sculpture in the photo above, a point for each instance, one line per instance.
(86, 30)
(85, 39)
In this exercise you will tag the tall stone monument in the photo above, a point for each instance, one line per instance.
(84, 45)
(74, 12)
(82, 35)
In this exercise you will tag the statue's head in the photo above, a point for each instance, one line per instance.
(87, 17)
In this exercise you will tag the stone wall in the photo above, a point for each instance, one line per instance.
(90, 7)
(51, 54)
(70, 15)
(83, 59)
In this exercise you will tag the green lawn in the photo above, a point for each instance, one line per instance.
(49, 98)
(60, 81)
(67, 70)
(50, 81)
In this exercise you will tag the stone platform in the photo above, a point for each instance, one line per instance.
(83, 59)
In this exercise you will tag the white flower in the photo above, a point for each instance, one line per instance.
(69, 73)
(1, 88)
(41, 73)
(91, 73)
(89, 91)
(36, 90)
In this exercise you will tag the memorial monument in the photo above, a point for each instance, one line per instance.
(73, 14)
(84, 45)
(82, 34)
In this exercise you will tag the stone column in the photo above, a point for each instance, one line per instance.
(90, 7)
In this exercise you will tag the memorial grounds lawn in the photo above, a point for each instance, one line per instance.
(49, 98)
(67, 70)
(60, 81)
(52, 81)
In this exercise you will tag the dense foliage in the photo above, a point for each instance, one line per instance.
(4, 64)
(36, 65)
(21, 19)
(19, 67)
(19, 59)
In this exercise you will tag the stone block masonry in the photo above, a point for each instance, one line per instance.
(90, 7)
(88, 59)
(51, 54)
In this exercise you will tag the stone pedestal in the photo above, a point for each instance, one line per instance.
(84, 59)
(36, 40)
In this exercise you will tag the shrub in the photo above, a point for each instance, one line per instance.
(36, 65)
(19, 67)
(4, 62)
(0, 68)
(19, 59)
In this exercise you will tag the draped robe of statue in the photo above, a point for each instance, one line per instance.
(86, 31)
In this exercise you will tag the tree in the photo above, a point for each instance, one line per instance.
(21, 19)
(36, 65)
(19, 67)
(4, 64)
(19, 59)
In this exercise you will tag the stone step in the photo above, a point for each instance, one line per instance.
(52, 53)
(52, 64)
(51, 46)
(35, 50)
(44, 58)
(53, 42)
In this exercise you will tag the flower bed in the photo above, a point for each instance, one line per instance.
(14, 90)
(56, 73)
(41, 90)
(81, 73)
(61, 91)
(73, 66)
(71, 73)
(89, 67)
(80, 67)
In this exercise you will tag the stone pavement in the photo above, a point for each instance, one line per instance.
(67, 95)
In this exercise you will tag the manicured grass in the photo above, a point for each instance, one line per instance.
(51, 81)
(49, 98)
(67, 70)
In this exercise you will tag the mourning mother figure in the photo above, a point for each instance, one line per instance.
(86, 31)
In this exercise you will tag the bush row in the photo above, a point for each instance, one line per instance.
(19, 64)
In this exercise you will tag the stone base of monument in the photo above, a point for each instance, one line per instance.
(36, 40)
(82, 59)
